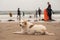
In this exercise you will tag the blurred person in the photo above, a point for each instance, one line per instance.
(18, 14)
(39, 12)
(50, 11)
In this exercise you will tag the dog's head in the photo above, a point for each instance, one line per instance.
(23, 23)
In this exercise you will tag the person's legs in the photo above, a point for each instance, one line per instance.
(50, 17)
(39, 14)
(19, 17)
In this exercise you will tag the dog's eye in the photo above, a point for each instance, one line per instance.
(20, 25)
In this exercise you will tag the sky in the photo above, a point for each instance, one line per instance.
(6, 5)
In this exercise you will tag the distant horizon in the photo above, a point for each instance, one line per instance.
(27, 10)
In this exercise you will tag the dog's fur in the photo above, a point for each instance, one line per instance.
(32, 28)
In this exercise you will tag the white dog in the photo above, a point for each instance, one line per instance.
(32, 28)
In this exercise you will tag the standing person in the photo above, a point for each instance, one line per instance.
(23, 13)
(18, 14)
(39, 12)
(35, 15)
(49, 11)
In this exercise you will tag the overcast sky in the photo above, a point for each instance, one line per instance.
(28, 4)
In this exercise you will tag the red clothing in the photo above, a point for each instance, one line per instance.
(46, 17)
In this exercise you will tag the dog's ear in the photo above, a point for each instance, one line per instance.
(25, 23)
(31, 26)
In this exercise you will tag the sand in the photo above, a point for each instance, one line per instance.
(7, 29)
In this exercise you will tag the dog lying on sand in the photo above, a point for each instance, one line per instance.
(32, 28)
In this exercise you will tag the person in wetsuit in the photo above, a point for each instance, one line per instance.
(49, 11)
(19, 14)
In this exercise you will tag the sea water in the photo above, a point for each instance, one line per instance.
(4, 16)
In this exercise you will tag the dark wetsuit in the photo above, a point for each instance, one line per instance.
(49, 12)
(39, 12)
(18, 14)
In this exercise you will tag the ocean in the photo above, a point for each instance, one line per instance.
(4, 15)
(26, 12)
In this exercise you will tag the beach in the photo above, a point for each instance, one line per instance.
(17, 14)
(8, 27)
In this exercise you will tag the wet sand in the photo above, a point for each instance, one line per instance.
(7, 29)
